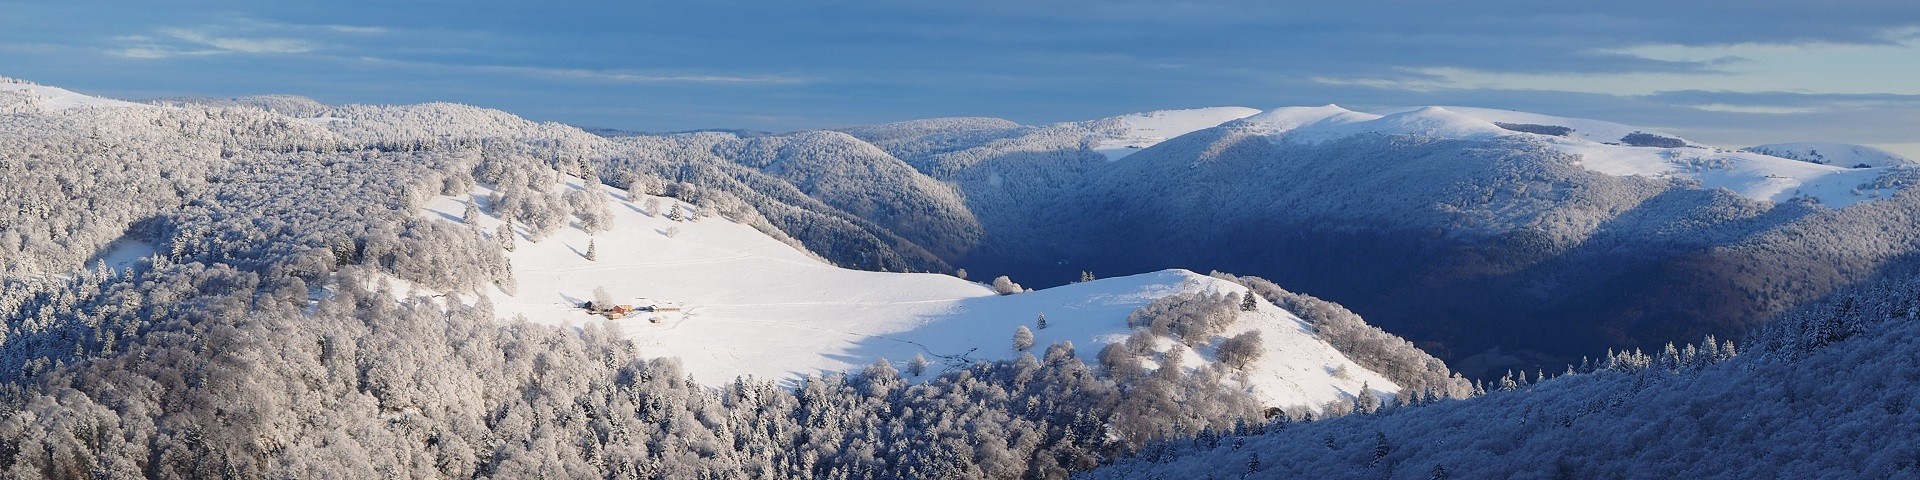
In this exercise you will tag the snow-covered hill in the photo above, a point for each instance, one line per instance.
(1604, 147)
(755, 306)
(1835, 154)
(1122, 135)
(56, 98)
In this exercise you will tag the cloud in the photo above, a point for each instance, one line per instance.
(356, 29)
(1756, 109)
(614, 76)
(637, 77)
(241, 45)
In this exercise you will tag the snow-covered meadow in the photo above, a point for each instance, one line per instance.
(752, 305)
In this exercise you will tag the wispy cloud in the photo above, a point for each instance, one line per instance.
(240, 44)
(1759, 109)
(638, 77)
(356, 29)
(614, 76)
(230, 37)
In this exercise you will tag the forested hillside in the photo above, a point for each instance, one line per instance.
(204, 289)
(1825, 392)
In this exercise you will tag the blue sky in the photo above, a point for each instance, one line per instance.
(1729, 73)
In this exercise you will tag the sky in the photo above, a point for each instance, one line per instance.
(1727, 73)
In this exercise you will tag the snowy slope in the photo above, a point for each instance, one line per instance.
(1130, 133)
(1836, 154)
(756, 306)
(61, 99)
(1596, 131)
(1598, 144)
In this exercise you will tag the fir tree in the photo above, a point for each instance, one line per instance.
(472, 213)
(504, 235)
(1366, 401)
(1381, 448)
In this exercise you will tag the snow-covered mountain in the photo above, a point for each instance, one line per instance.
(1835, 154)
(1604, 147)
(1395, 212)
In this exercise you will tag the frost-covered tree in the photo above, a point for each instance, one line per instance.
(1242, 350)
(1005, 286)
(471, 214)
(504, 236)
(1022, 338)
(1366, 401)
(602, 299)
(918, 366)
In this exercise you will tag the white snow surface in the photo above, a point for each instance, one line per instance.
(1141, 130)
(1836, 154)
(57, 98)
(1597, 131)
(1597, 143)
(756, 306)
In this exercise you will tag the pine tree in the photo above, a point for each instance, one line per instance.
(1041, 322)
(472, 213)
(1380, 447)
(592, 251)
(1366, 401)
(504, 235)
(1247, 303)
(1086, 276)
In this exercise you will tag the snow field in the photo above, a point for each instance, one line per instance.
(1598, 145)
(1142, 130)
(756, 306)
(61, 99)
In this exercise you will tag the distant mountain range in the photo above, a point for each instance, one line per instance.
(1466, 229)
